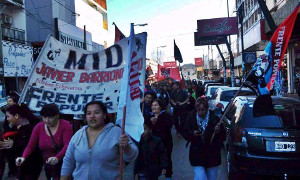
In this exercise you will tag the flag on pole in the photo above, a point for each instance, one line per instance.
(130, 93)
(264, 71)
(163, 73)
(177, 53)
(149, 72)
(118, 34)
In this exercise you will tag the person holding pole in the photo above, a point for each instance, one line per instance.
(93, 152)
(204, 155)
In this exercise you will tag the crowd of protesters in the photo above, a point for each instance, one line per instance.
(30, 142)
(186, 109)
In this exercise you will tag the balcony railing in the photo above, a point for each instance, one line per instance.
(13, 34)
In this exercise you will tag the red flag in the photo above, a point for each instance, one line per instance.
(163, 72)
(264, 71)
(280, 40)
(149, 72)
(118, 34)
(174, 73)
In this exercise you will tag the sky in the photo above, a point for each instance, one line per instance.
(167, 20)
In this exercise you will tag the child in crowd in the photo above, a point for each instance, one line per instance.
(152, 160)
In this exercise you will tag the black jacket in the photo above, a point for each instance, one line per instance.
(33, 163)
(6, 126)
(152, 157)
(202, 152)
(162, 129)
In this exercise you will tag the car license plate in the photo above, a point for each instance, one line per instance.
(285, 146)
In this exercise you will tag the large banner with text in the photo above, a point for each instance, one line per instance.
(70, 77)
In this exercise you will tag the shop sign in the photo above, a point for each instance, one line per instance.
(17, 59)
(214, 40)
(217, 27)
(250, 57)
(199, 61)
(37, 47)
(170, 64)
(199, 68)
(73, 36)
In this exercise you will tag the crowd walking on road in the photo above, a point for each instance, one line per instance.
(30, 142)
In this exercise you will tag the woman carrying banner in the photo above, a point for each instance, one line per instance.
(20, 117)
(204, 155)
(52, 137)
(94, 150)
(162, 124)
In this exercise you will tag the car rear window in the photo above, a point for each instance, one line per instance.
(286, 116)
(228, 95)
(213, 90)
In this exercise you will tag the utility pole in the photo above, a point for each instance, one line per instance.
(267, 14)
(231, 62)
(241, 17)
(224, 64)
(1, 54)
(84, 38)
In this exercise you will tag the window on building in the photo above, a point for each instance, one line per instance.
(255, 16)
(246, 7)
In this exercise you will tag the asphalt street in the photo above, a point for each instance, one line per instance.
(182, 170)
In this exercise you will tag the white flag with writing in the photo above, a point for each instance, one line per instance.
(130, 92)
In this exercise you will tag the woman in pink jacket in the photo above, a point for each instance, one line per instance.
(52, 136)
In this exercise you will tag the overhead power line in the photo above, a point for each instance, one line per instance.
(172, 35)
(66, 7)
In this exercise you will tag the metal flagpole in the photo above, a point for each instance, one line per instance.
(228, 106)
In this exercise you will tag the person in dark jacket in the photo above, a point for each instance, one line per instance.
(298, 88)
(191, 103)
(162, 124)
(179, 99)
(205, 149)
(152, 160)
(19, 116)
(200, 90)
(146, 102)
(5, 154)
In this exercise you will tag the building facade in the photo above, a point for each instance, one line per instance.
(26, 24)
(189, 71)
(257, 33)
(16, 54)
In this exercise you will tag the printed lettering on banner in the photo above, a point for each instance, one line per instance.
(71, 77)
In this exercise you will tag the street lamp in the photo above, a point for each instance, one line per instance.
(145, 24)
(157, 52)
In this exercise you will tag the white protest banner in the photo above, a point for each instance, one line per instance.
(71, 77)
